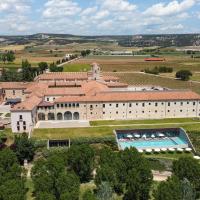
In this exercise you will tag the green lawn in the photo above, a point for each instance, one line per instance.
(121, 122)
(76, 67)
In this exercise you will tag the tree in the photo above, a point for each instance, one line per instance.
(50, 176)
(184, 75)
(188, 192)
(88, 195)
(10, 56)
(12, 182)
(189, 168)
(168, 190)
(42, 66)
(24, 148)
(27, 72)
(81, 160)
(54, 68)
(104, 191)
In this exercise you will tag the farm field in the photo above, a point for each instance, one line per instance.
(138, 79)
(130, 63)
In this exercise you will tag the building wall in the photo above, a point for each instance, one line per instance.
(129, 110)
(14, 93)
(21, 121)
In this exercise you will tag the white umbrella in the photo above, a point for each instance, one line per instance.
(149, 150)
(188, 149)
(137, 135)
(171, 149)
(197, 157)
(140, 151)
(161, 135)
(153, 136)
(144, 136)
(157, 150)
(129, 136)
(163, 149)
(180, 150)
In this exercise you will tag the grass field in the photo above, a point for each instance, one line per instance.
(76, 67)
(138, 79)
(130, 63)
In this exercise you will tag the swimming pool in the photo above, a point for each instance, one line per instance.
(175, 142)
(152, 138)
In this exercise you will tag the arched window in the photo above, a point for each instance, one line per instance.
(68, 116)
(41, 116)
(59, 116)
(51, 116)
(76, 116)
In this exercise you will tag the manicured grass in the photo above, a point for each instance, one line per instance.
(167, 155)
(157, 121)
(76, 67)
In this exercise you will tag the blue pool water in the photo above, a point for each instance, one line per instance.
(158, 143)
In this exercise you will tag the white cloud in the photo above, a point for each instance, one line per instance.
(118, 5)
(60, 8)
(174, 7)
(101, 14)
(18, 6)
(89, 11)
(172, 27)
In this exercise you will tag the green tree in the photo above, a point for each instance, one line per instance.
(80, 158)
(188, 192)
(10, 56)
(168, 190)
(42, 66)
(45, 195)
(184, 75)
(12, 182)
(189, 168)
(27, 72)
(24, 148)
(51, 176)
(88, 195)
(104, 191)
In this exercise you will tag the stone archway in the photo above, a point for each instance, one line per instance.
(41, 116)
(68, 116)
(51, 116)
(76, 116)
(59, 116)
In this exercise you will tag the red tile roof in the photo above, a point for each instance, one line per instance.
(134, 96)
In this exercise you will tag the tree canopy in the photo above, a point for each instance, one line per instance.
(184, 75)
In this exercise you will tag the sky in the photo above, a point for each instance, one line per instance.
(99, 17)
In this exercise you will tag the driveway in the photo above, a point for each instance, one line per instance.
(62, 124)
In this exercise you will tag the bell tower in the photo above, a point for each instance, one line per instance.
(96, 72)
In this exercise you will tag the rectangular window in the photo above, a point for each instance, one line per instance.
(17, 123)
(77, 105)
(194, 103)
(20, 117)
(181, 103)
(18, 128)
(117, 105)
(58, 105)
(13, 92)
(61, 105)
(24, 123)
(104, 105)
(47, 99)
(156, 104)
(130, 105)
(168, 103)
(143, 104)
(24, 127)
(91, 106)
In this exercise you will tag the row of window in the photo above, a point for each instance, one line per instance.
(143, 104)
(66, 105)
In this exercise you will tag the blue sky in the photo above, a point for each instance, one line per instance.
(99, 17)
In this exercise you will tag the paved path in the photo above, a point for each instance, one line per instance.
(62, 124)
(68, 62)
(161, 176)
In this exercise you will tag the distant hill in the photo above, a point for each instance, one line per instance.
(178, 40)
